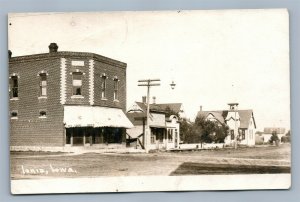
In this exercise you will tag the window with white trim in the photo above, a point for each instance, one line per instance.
(103, 86)
(14, 114)
(14, 87)
(43, 84)
(43, 114)
(77, 83)
(232, 134)
(152, 137)
(243, 134)
(170, 135)
(116, 88)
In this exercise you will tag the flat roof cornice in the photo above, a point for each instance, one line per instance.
(61, 54)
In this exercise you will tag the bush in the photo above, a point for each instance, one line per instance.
(285, 139)
(274, 138)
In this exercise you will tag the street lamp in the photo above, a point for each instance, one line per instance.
(172, 85)
(148, 83)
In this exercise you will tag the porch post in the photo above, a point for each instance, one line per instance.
(166, 138)
(84, 130)
(72, 136)
(91, 136)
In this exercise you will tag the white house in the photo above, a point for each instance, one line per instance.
(164, 129)
(241, 123)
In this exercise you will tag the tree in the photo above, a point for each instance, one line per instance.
(186, 133)
(210, 131)
(287, 137)
(221, 133)
(274, 138)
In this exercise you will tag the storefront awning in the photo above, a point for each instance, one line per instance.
(86, 116)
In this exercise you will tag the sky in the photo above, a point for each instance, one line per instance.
(214, 57)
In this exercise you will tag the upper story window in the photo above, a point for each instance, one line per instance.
(43, 84)
(77, 83)
(103, 86)
(116, 88)
(14, 87)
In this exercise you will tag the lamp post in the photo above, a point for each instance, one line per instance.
(172, 85)
(148, 83)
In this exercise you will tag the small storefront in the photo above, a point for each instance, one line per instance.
(157, 134)
(92, 126)
(164, 133)
(88, 136)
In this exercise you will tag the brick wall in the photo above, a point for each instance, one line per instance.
(85, 80)
(100, 68)
(110, 71)
(29, 129)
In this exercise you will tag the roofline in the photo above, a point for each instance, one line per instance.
(60, 54)
(226, 110)
(151, 110)
(215, 117)
(167, 103)
(253, 120)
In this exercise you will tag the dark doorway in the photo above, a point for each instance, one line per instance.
(78, 134)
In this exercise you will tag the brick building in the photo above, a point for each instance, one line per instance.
(64, 99)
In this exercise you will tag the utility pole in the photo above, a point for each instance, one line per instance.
(147, 135)
(235, 131)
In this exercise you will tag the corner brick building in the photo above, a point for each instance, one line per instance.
(65, 99)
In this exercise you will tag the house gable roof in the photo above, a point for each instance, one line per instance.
(160, 108)
(175, 107)
(246, 116)
(220, 115)
(154, 108)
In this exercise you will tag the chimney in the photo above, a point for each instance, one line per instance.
(200, 108)
(53, 48)
(154, 99)
(9, 54)
(144, 99)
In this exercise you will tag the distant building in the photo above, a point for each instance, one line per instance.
(267, 134)
(164, 129)
(241, 123)
(66, 99)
